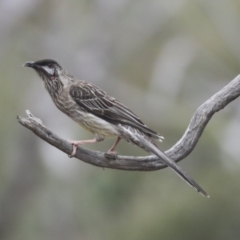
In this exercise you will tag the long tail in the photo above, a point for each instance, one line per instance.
(154, 149)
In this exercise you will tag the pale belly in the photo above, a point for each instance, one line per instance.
(97, 125)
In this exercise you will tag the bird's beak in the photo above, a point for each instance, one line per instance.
(29, 64)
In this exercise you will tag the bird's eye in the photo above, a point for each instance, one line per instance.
(50, 65)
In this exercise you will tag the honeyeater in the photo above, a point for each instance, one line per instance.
(100, 113)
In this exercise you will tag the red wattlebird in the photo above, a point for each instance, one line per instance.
(100, 113)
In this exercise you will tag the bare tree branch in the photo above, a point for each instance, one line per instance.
(149, 163)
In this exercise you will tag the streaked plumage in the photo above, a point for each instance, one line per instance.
(99, 113)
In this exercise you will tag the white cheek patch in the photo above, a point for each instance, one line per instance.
(49, 70)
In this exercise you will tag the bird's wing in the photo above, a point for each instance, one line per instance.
(96, 101)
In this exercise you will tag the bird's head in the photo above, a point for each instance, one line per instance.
(47, 69)
(52, 74)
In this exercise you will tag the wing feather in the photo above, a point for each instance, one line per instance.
(94, 100)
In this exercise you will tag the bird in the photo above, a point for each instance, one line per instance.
(101, 114)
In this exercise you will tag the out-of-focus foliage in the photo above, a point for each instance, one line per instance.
(162, 59)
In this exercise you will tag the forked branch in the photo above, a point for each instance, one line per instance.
(149, 163)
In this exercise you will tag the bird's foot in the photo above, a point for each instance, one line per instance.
(111, 155)
(75, 145)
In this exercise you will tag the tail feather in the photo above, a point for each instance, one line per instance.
(154, 149)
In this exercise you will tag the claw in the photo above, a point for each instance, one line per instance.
(75, 145)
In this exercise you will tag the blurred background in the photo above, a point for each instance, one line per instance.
(163, 59)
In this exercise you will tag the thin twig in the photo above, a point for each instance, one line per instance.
(149, 163)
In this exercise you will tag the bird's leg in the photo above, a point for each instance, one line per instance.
(75, 144)
(112, 149)
(111, 152)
